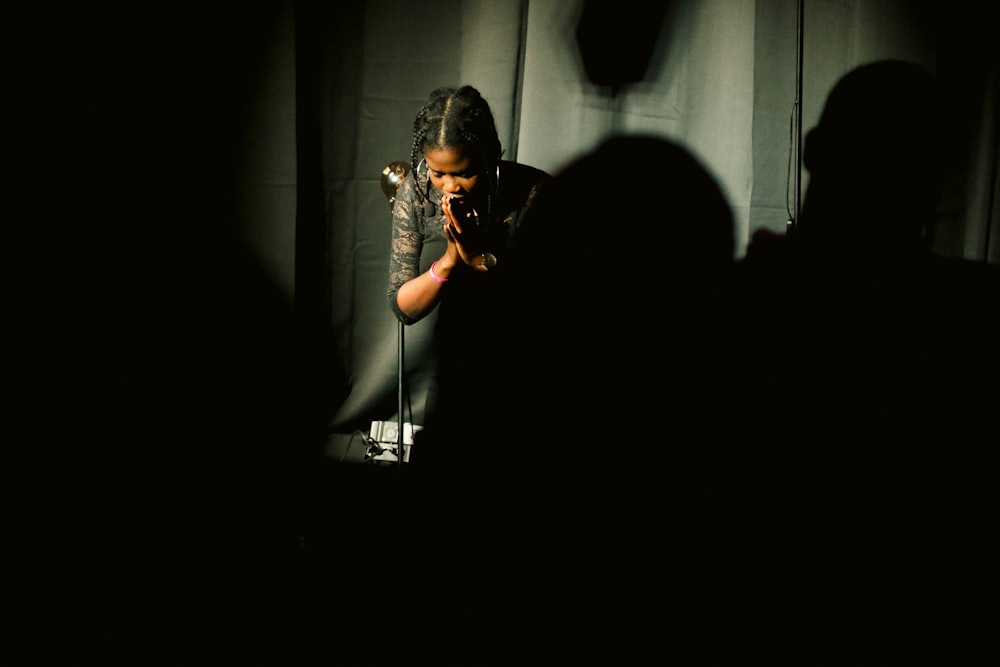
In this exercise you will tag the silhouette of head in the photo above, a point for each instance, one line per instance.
(643, 195)
(629, 233)
(875, 157)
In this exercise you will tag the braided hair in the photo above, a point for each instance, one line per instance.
(458, 117)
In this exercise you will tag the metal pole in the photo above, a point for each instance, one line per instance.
(798, 113)
(399, 396)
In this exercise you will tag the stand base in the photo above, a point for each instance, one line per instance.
(386, 434)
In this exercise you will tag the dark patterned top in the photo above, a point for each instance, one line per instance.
(416, 224)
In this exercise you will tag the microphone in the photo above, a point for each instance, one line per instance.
(392, 178)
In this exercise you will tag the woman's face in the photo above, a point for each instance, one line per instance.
(451, 171)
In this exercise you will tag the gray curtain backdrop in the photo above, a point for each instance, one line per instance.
(338, 90)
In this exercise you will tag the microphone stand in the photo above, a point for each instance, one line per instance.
(799, 28)
(392, 177)
(399, 391)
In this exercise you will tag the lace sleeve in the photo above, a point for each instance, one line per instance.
(407, 242)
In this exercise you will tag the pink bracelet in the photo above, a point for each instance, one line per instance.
(436, 277)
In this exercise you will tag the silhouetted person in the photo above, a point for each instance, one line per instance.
(876, 358)
(864, 311)
(615, 463)
(623, 287)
